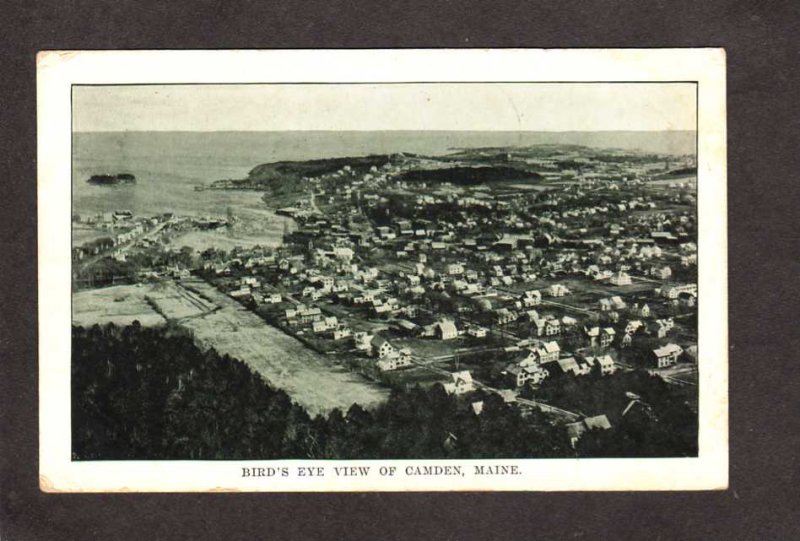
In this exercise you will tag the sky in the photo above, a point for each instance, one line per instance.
(369, 107)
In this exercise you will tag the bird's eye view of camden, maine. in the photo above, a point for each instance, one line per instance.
(384, 272)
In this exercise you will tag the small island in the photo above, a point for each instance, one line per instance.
(112, 180)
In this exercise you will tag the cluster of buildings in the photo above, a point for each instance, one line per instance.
(552, 283)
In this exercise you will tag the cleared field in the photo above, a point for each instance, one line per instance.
(431, 347)
(121, 305)
(253, 227)
(217, 321)
(176, 302)
(312, 380)
(82, 234)
(203, 240)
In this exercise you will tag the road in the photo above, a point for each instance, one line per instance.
(570, 307)
(313, 203)
(552, 303)
(86, 263)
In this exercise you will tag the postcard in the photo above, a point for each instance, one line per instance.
(382, 270)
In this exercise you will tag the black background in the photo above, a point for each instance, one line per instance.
(761, 39)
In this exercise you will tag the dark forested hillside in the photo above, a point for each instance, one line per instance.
(471, 175)
(150, 393)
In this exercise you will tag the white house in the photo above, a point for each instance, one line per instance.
(477, 332)
(621, 278)
(446, 330)
(548, 352)
(461, 383)
(558, 290)
(667, 355)
(381, 347)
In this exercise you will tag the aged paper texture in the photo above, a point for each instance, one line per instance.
(382, 270)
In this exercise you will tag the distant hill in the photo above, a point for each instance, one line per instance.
(268, 173)
(471, 175)
(688, 171)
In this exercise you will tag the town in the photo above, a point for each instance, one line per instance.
(539, 274)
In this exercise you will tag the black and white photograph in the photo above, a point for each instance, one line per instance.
(387, 283)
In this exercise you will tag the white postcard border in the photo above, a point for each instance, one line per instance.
(58, 71)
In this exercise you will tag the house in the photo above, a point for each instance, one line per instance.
(307, 315)
(343, 253)
(672, 292)
(632, 326)
(455, 269)
(661, 272)
(504, 316)
(621, 278)
(319, 327)
(517, 375)
(667, 355)
(461, 382)
(552, 327)
(593, 334)
(661, 327)
(548, 352)
(577, 429)
(400, 359)
(569, 365)
(539, 326)
(381, 347)
(604, 362)
(446, 330)
(477, 332)
(535, 374)
(531, 298)
(607, 335)
(407, 327)
(617, 303)
(568, 322)
(477, 407)
(341, 332)
(558, 290)
(362, 340)
(644, 311)
(532, 315)
(404, 227)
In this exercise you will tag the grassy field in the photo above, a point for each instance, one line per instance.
(82, 234)
(203, 240)
(176, 302)
(219, 322)
(312, 380)
(120, 305)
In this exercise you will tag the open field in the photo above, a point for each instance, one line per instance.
(203, 240)
(120, 305)
(219, 322)
(176, 302)
(312, 380)
(81, 234)
(691, 180)
(431, 347)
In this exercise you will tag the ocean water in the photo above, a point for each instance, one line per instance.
(168, 165)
